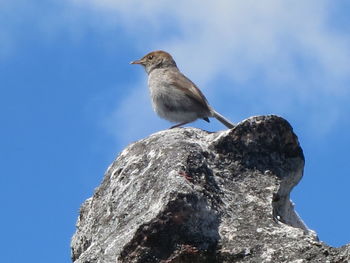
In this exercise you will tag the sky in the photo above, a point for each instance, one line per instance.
(70, 101)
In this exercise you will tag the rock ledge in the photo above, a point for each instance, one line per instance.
(186, 195)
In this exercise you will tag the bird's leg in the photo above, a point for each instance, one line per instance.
(178, 125)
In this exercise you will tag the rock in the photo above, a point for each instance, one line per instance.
(187, 195)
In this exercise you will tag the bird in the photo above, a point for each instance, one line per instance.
(174, 96)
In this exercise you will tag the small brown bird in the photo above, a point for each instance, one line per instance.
(175, 97)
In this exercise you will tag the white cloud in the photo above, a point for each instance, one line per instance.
(288, 48)
(237, 38)
(283, 54)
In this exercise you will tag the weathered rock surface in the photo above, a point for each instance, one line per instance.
(186, 195)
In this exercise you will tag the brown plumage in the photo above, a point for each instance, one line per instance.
(175, 97)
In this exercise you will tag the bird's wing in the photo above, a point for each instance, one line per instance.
(181, 82)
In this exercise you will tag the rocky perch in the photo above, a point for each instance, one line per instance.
(187, 195)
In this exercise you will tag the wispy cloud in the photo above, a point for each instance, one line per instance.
(281, 40)
(38, 21)
(286, 55)
(132, 119)
(274, 56)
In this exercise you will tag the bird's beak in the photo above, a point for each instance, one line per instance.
(136, 62)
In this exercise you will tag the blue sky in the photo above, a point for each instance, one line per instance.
(70, 101)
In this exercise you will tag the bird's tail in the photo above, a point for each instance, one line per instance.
(222, 119)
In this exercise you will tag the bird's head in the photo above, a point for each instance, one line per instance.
(156, 59)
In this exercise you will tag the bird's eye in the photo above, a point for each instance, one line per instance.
(150, 57)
